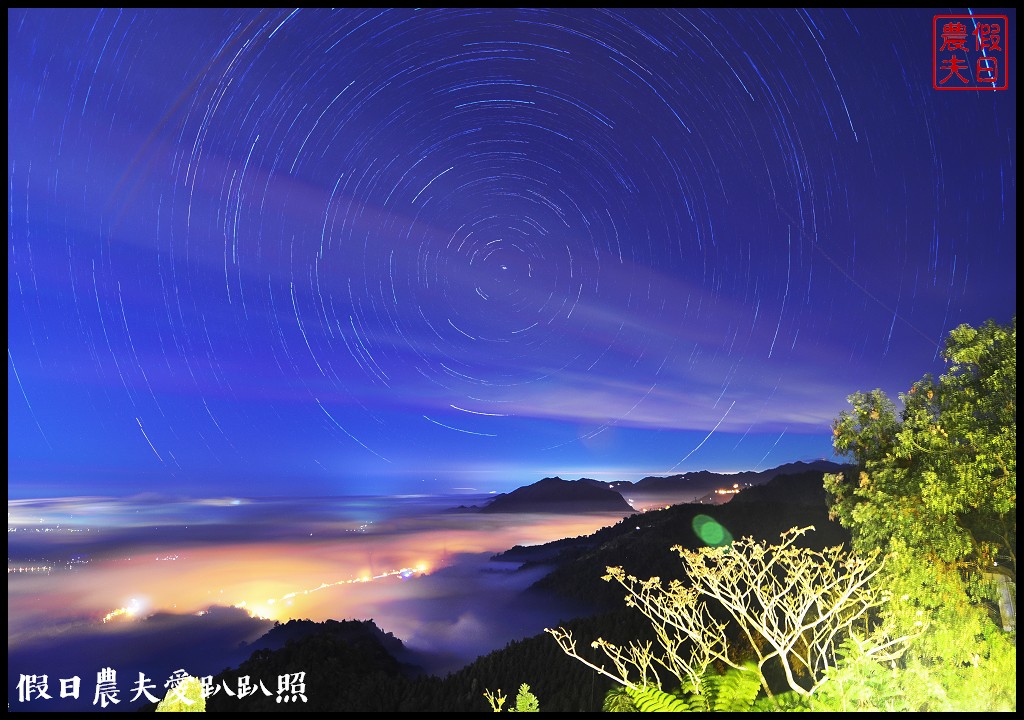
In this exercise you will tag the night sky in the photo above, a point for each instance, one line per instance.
(390, 251)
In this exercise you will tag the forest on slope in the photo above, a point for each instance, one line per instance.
(354, 666)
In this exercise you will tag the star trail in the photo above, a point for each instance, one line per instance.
(378, 251)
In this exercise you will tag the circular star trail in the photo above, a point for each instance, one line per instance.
(472, 215)
(346, 243)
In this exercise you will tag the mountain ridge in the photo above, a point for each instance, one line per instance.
(553, 494)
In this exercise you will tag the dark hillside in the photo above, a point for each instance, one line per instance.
(640, 544)
(351, 666)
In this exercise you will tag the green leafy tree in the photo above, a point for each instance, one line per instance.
(935, 485)
(934, 488)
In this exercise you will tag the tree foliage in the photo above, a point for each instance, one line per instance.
(935, 489)
(526, 701)
(935, 484)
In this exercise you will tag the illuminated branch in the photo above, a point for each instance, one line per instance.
(791, 603)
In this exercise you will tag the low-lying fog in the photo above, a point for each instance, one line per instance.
(152, 585)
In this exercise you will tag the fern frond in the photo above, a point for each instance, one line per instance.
(789, 701)
(652, 699)
(735, 691)
(618, 700)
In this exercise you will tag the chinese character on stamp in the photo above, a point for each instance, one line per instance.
(969, 52)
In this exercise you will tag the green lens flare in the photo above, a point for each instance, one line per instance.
(711, 532)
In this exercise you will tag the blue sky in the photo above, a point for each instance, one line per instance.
(381, 251)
